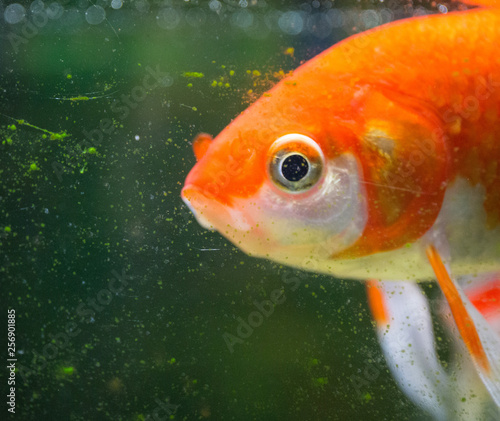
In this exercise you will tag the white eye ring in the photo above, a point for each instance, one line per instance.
(298, 138)
(308, 152)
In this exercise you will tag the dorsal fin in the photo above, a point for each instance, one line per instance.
(201, 144)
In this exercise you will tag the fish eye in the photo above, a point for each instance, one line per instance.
(295, 163)
(294, 167)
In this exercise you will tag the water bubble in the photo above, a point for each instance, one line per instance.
(166, 81)
(442, 8)
(420, 11)
(14, 13)
(319, 25)
(142, 6)
(116, 4)
(271, 20)
(82, 4)
(337, 18)
(37, 6)
(306, 8)
(387, 15)
(95, 15)
(215, 5)
(351, 19)
(242, 18)
(291, 23)
(370, 19)
(168, 18)
(196, 17)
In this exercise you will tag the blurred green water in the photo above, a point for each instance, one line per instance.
(122, 300)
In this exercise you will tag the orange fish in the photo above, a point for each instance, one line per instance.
(378, 160)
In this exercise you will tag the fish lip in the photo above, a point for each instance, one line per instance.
(190, 194)
(210, 213)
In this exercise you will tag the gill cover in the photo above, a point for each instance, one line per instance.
(402, 153)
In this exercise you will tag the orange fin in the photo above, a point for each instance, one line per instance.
(376, 302)
(486, 299)
(201, 144)
(463, 320)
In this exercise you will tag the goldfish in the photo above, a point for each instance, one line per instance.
(378, 161)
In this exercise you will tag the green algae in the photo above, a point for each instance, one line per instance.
(196, 75)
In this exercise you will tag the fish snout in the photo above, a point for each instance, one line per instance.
(210, 213)
(198, 204)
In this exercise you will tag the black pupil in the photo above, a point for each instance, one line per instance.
(295, 167)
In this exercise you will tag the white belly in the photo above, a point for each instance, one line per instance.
(473, 248)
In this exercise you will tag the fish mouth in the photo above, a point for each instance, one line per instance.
(193, 199)
(211, 214)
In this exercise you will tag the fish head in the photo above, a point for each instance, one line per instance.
(292, 178)
(275, 185)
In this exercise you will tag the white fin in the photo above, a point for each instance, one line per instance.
(408, 342)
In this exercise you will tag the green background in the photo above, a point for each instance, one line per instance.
(72, 214)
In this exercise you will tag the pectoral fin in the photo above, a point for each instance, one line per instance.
(482, 342)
